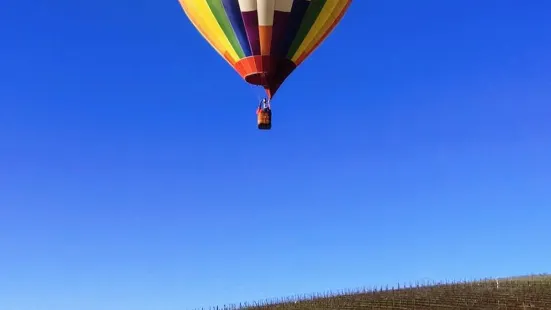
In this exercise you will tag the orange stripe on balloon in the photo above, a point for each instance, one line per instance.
(265, 34)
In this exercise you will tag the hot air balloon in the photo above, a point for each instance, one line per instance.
(265, 40)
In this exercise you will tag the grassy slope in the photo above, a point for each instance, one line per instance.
(524, 292)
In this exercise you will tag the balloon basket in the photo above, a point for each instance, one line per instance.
(264, 120)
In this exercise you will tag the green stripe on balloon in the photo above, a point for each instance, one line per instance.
(314, 10)
(219, 12)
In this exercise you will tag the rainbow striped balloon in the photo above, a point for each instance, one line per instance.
(265, 40)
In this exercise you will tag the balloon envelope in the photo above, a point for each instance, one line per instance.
(265, 40)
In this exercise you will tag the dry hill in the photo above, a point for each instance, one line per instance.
(526, 292)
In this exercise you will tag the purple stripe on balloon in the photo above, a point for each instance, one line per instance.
(278, 32)
(292, 25)
(250, 19)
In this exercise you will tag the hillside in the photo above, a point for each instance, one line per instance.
(525, 292)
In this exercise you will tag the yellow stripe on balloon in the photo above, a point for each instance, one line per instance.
(203, 19)
(199, 26)
(328, 15)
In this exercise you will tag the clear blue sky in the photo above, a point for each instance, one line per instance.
(415, 144)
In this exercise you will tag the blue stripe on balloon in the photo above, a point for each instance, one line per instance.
(236, 20)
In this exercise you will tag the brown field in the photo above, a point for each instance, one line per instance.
(526, 292)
